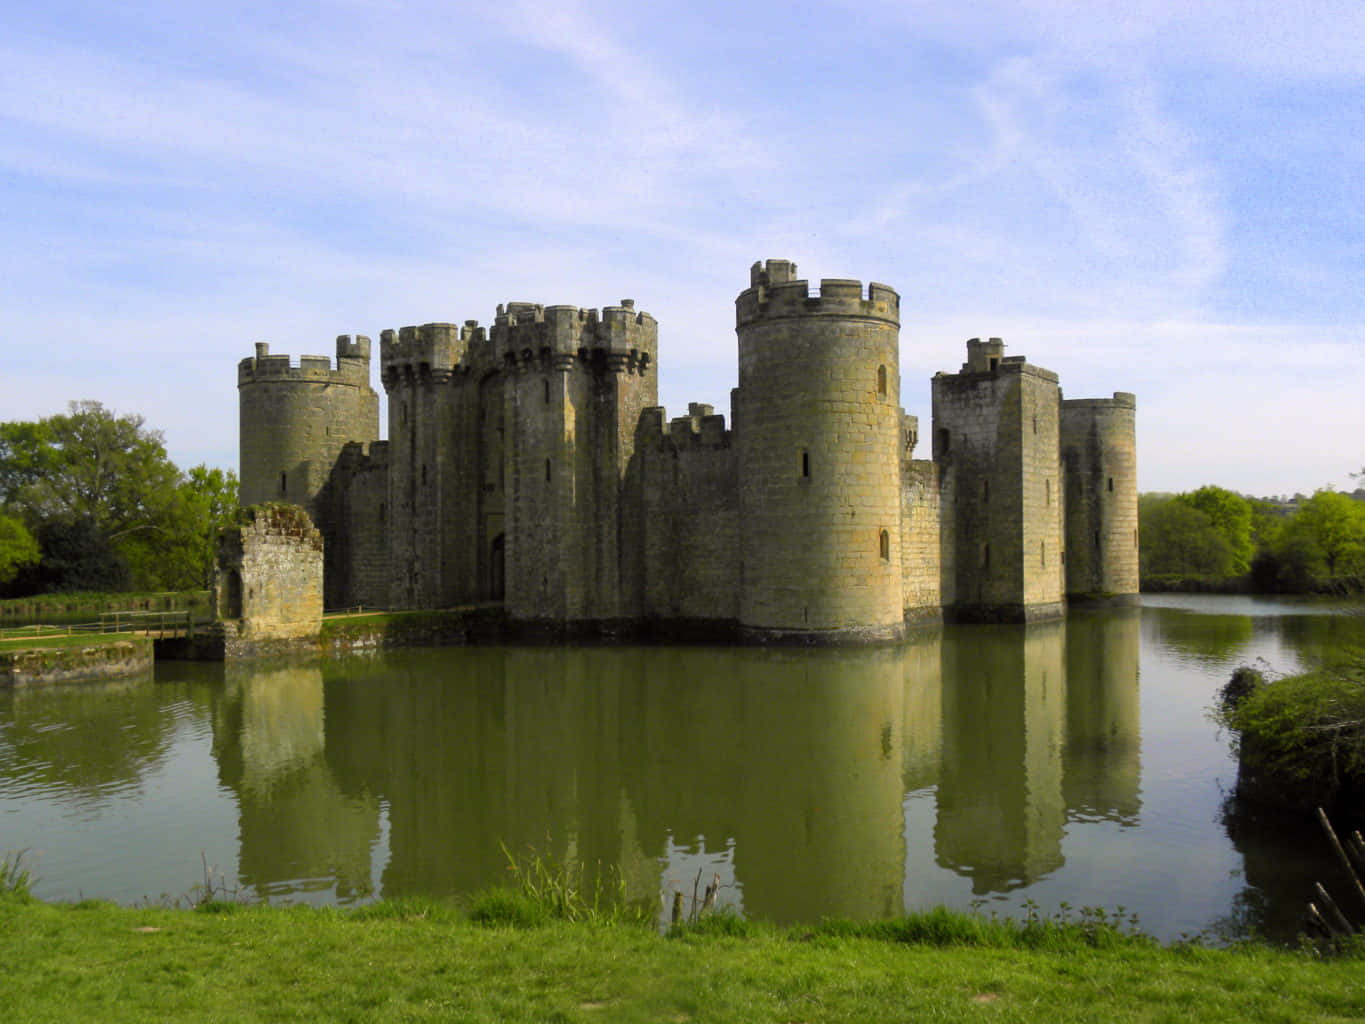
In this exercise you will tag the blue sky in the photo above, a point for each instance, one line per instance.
(1143, 196)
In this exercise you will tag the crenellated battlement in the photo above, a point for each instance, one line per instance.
(776, 293)
(527, 334)
(531, 468)
(700, 428)
(352, 365)
(430, 352)
(1121, 400)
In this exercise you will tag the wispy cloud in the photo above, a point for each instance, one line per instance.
(1096, 182)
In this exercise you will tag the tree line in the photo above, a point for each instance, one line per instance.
(89, 500)
(1311, 544)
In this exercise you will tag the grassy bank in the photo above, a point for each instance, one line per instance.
(27, 639)
(93, 603)
(431, 962)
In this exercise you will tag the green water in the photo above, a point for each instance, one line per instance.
(1070, 761)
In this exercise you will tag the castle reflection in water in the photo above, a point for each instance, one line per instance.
(786, 772)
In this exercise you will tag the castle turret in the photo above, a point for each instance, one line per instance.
(575, 383)
(1099, 453)
(419, 365)
(295, 421)
(818, 418)
(995, 440)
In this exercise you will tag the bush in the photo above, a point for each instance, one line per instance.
(1300, 740)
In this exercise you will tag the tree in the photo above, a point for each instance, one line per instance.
(207, 502)
(1179, 539)
(107, 504)
(90, 464)
(1231, 516)
(18, 547)
(1332, 527)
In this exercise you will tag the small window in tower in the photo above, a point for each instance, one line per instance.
(985, 556)
(805, 465)
(995, 361)
(284, 483)
(985, 492)
(1097, 540)
(881, 380)
(884, 546)
(1047, 491)
(1135, 535)
(1035, 424)
(424, 474)
(547, 470)
(944, 438)
(1111, 485)
(1042, 553)
(547, 390)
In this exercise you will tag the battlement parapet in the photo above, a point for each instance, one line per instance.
(430, 352)
(776, 293)
(361, 455)
(1121, 400)
(352, 365)
(527, 334)
(700, 428)
(909, 435)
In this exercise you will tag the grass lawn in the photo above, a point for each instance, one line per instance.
(411, 962)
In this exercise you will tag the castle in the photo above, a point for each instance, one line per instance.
(530, 464)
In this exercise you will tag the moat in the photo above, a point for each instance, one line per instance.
(1064, 761)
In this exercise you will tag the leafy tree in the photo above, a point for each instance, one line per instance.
(1332, 527)
(18, 547)
(77, 555)
(206, 501)
(1177, 538)
(89, 464)
(109, 507)
(1231, 516)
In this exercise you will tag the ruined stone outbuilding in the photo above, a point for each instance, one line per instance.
(528, 463)
(268, 580)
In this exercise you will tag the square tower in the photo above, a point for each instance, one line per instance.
(996, 442)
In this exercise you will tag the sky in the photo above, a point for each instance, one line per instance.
(1163, 198)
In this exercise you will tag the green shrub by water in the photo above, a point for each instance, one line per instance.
(1300, 739)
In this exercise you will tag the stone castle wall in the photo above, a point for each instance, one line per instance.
(921, 554)
(819, 424)
(294, 423)
(1099, 452)
(529, 464)
(995, 437)
(689, 510)
(268, 579)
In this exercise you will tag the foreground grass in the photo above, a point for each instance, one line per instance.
(430, 962)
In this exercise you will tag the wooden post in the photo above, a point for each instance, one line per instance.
(1345, 861)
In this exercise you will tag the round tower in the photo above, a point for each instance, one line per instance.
(1099, 455)
(817, 416)
(296, 419)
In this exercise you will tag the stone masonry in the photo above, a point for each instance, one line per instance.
(268, 580)
(528, 463)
